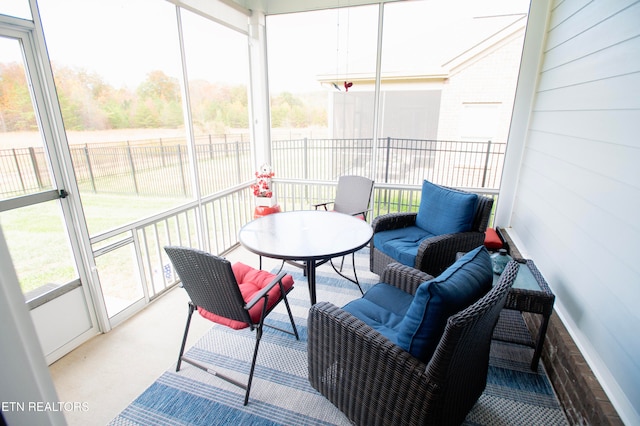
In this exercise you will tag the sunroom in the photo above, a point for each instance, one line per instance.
(148, 119)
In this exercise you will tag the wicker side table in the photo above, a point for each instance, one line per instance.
(530, 293)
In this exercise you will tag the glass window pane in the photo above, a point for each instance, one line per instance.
(16, 8)
(479, 121)
(218, 71)
(39, 245)
(448, 78)
(117, 74)
(36, 234)
(24, 167)
(119, 278)
(321, 84)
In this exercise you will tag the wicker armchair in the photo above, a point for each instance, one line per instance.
(436, 253)
(375, 382)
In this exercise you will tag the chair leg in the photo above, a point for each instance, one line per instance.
(253, 364)
(209, 370)
(259, 329)
(184, 338)
(293, 324)
(286, 304)
(302, 266)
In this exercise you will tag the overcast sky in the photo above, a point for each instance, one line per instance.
(417, 35)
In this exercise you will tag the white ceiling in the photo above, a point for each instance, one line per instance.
(272, 7)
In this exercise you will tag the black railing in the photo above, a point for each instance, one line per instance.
(399, 161)
(23, 171)
(163, 169)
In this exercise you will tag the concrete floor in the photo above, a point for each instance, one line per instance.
(109, 371)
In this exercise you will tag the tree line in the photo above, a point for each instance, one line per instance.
(89, 103)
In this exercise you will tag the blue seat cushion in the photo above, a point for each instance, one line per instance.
(445, 211)
(459, 286)
(401, 244)
(383, 308)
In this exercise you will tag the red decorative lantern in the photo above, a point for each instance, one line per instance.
(265, 201)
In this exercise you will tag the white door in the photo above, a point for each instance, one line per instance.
(36, 214)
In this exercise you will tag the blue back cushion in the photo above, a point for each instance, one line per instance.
(445, 211)
(459, 286)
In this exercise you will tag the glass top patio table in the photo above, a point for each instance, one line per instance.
(309, 236)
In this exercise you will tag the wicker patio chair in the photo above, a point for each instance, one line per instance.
(236, 296)
(434, 253)
(375, 382)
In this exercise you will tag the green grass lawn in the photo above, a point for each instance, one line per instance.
(107, 211)
(39, 245)
(38, 241)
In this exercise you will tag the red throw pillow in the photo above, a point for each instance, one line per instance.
(492, 240)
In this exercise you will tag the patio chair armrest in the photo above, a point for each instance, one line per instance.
(362, 213)
(404, 277)
(322, 205)
(343, 351)
(262, 293)
(393, 221)
(438, 253)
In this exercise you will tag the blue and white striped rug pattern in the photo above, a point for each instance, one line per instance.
(281, 393)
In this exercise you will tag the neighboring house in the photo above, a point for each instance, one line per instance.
(469, 97)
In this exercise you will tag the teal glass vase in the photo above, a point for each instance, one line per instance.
(499, 261)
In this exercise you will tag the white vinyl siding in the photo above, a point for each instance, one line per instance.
(577, 200)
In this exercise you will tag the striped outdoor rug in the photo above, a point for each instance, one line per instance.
(281, 393)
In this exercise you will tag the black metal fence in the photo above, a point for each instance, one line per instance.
(150, 167)
(23, 171)
(163, 168)
(399, 161)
